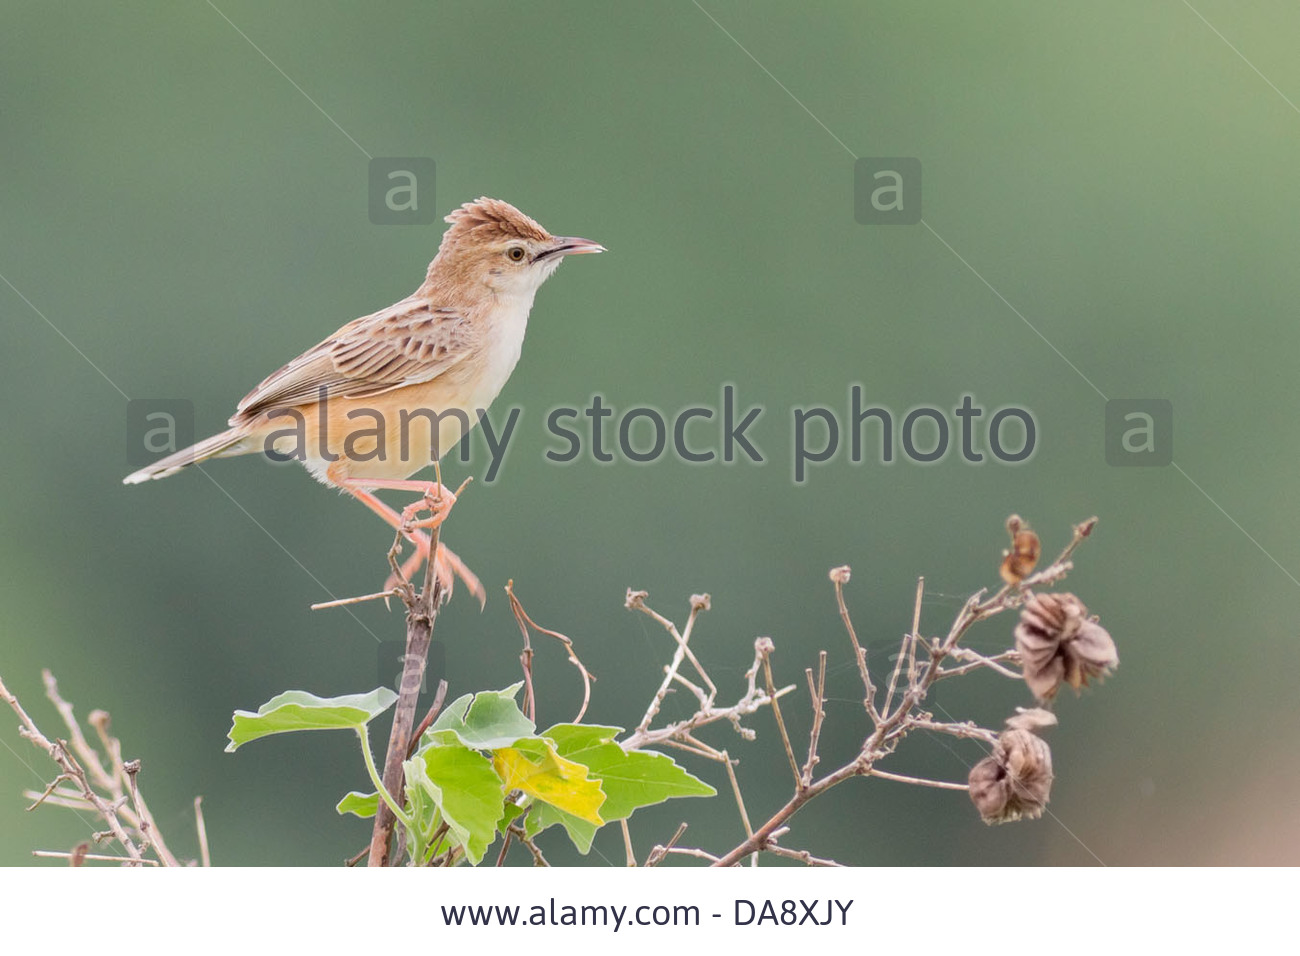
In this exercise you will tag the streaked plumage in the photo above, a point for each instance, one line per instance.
(356, 408)
(450, 345)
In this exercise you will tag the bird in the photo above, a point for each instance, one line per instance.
(387, 394)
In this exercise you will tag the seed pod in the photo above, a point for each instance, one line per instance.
(1018, 562)
(1015, 781)
(1059, 643)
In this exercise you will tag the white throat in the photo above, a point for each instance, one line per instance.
(505, 338)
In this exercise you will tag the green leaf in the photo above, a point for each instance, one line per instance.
(467, 792)
(543, 815)
(488, 721)
(362, 804)
(630, 779)
(299, 710)
(509, 814)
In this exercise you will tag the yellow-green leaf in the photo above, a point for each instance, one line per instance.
(535, 768)
(630, 779)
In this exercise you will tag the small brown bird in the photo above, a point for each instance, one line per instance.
(388, 393)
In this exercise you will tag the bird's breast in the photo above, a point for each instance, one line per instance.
(397, 433)
(503, 341)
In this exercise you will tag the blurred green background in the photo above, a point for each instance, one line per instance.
(189, 220)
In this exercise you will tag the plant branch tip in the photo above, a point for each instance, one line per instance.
(341, 602)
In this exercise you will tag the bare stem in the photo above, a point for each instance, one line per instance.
(627, 843)
(776, 712)
(661, 850)
(635, 600)
(205, 857)
(818, 694)
(893, 722)
(518, 833)
(803, 856)
(76, 858)
(525, 622)
(838, 577)
(918, 781)
(421, 613)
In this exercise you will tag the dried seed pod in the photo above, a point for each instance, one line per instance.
(1059, 643)
(1015, 781)
(1018, 562)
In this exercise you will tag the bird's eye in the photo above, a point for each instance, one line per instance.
(516, 253)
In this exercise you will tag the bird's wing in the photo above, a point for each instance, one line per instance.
(408, 343)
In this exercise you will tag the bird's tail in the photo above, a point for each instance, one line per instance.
(230, 442)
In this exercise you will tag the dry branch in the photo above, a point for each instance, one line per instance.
(919, 663)
(526, 657)
(421, 613)
(107, 786)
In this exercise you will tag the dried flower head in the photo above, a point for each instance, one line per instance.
(1019, 560)
(1059, 643)
(841, 574)
(1015, 781)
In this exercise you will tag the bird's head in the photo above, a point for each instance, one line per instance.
(492, 246)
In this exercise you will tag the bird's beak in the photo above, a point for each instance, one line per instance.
(573, 246)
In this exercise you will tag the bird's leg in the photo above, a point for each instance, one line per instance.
(394, 520)
(437, 499)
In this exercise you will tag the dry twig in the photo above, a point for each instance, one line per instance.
(919, 663)
(526, 657)
(107, 786)
(663, 849)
